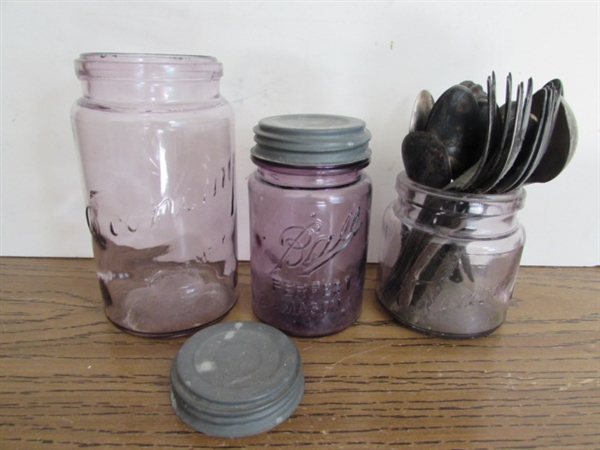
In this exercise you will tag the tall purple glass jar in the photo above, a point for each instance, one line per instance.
(309, 220)
(156, 144)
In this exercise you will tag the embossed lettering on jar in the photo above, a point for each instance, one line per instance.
(156, 143)
(309, 217)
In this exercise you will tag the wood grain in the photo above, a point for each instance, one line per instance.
(70, 380)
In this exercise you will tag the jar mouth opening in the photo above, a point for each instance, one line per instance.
(147, 65)
(518, 195)
(441, 202)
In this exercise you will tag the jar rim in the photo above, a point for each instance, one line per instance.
(304, 168)
(147, 65)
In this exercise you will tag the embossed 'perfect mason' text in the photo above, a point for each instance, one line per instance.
(314, 298)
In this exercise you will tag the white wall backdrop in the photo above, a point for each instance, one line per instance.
(363, 59)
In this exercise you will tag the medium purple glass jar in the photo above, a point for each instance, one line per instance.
(309, 220)
(156, 144)
(449, 261)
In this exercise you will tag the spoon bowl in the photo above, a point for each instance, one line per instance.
(454, 119)
(425, 159)
(420, 112)
(561, 147)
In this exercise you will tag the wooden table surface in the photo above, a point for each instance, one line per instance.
(70, 380)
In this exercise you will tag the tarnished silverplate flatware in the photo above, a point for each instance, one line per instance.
(420, 112)
(520, 132)
(454, 119)
(560, 148)
(513, 113)
(545, 109)
(467, 178)
(425, 159)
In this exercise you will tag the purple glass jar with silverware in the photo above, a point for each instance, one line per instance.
(452, 242)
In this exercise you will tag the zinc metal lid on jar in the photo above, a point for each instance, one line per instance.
(236, 379)
(311, 140)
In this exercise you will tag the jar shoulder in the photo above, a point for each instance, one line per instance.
(320, 184)
(218, 107)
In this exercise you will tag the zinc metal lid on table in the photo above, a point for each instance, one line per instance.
(236, 379)
(311, 140)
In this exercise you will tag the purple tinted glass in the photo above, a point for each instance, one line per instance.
(309, 227)
(156, 144)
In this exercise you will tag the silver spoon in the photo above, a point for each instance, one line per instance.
(426, 160)
(561, 147)
(454, 119)
(420, 112)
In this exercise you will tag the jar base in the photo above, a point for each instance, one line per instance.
(313, 332)
(170, 334)
(435, 333)
(443, 335)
